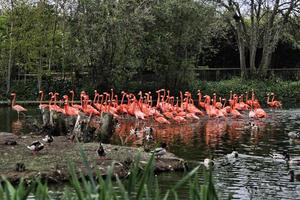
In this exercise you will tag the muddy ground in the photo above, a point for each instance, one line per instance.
(51, 163)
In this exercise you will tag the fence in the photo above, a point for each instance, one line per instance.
(216, 74)
(209, 74)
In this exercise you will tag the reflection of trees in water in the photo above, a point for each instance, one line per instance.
(16, 127)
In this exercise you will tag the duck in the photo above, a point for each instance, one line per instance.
(36, 146)
(278, 156)
(208, 163)
(294, 135)
(253, 126)
(136, 132)
(149, 138)
(233, 155)
(293, 161)
(160, 151)
(48, 139)
(294, 175)
(149, 134)
(148, 130)
(20, 167)
(100, 151)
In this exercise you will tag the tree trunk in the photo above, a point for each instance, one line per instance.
(242, 52)
(8, 77)
(253, 40)
(265, 61)
(53, 37)
(253, 49)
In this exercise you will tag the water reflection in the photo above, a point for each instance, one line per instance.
(16, 127)
(255, 176)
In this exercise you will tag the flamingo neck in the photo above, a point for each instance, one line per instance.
(158, 99)
(123, 98)
(13, 101)
(41, 98)
(273, 97)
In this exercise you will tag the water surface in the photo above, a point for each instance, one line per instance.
(254, 176)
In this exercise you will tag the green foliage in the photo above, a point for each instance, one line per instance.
(286, 91)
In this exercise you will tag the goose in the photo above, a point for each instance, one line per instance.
(35, 146)
(208, 163)
(48, 138)
(294, 175)
(160, 151)
(100, 151)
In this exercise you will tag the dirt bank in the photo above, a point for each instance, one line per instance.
(51, 163)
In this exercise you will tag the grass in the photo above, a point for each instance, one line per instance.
(141, 183)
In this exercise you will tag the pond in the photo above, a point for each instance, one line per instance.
(254, 176)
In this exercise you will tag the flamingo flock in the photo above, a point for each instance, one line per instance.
(167, 110)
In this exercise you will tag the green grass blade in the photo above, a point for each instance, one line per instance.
(186, 178)
(123, 190)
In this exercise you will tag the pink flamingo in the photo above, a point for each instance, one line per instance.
(273, 103)
(54, 107)
(251, 112)
(162, 120)
(68, 110)
(15, 106)
(260, 113)
(234, 112)
(200, 103)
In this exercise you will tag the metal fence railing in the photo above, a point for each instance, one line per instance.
(216, 74)
(209, 74)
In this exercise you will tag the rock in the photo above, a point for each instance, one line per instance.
(105, 132)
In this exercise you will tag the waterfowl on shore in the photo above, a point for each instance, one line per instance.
(48, 138)
(294, 175)
(100, 151)
(160, 151)
(35, 146)
(20, 167)
(208, 163)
